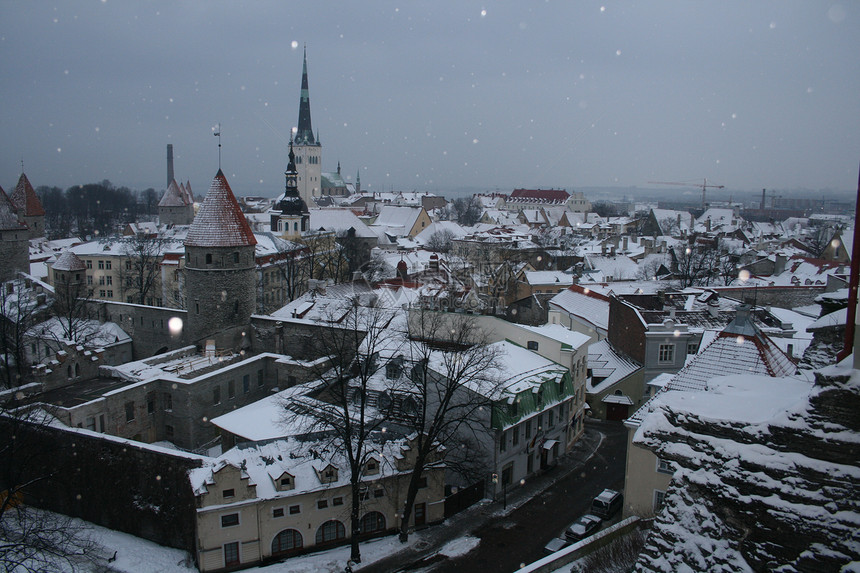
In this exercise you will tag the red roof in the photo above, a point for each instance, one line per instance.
(8, 219)
(542, 194)
(220, 222)
(25, 199)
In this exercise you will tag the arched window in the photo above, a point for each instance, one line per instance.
(77, 369)
(286, 541)
(372, 522)
(330, 532)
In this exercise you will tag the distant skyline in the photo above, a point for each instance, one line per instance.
(435, 96)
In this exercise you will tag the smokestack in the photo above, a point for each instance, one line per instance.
(762, 199)
(169, 163)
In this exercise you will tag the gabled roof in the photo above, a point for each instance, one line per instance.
(608, 366)
(220, 222)
(175, 196)
(25, 199)
(585, 304)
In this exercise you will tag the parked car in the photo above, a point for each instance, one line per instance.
(555, 544)
(607, 503)
(583, 527)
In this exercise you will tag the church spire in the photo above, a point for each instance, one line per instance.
(305, 133)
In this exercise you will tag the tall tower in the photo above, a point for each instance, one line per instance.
(29, 208)
(220, 275)
(307, 147)
(14, 243)
(290, 215)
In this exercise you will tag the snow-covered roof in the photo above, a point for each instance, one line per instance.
(604, 362)
(69, 261)
(619, 267)
(554, 278)
(220, 222)
(584, 304)
(339, 220)
(560, 334)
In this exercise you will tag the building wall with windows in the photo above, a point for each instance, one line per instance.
(645, 475)
(262, 511)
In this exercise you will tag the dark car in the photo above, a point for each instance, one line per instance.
(583, 527)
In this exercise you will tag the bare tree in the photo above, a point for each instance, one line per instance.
(451, 359)
(18, 313)
(293, 269)
(440, 241)
(694, 265)
(468, 210)
(352, 339)
(73, 309)
(141, 270)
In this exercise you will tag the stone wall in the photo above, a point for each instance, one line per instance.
(15, 254)
(781, 296)
(626, 331)
(148, 326)
(114, 483)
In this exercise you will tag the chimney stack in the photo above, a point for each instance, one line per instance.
(169, 163)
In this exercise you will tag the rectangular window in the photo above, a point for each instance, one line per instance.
(230, 520)
(229, 493)
(550, 420)
(128, 265)
(664, 467)
(129, 411)
(294, 509)
(528, 429)
(168, 432)
(422, 483)
(150, 403)
(231, 553)
(246, 383)
(692, 348)
(530, 464)
(532, 344)
(168, 402)
(107, 265)
(378, 493)
(231, 389)
(659, 496)
(102, 293)
(89, 264)
(337, 501)
(259, 378)
(102, 265)
(89, 280)
(278, 512)
(216, 396)
(666, 353)
(110, 293)
(503, 441)
(286, 482)
(516, 437)
(109, 280)
(322, 504)
(91, 424)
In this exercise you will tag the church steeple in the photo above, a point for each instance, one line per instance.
(305, 133)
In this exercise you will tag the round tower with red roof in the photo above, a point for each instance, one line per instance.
(220, 274)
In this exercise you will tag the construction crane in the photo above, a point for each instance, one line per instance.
(704, 186)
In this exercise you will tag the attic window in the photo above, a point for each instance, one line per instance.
(286, 482)
(372, 467)
(229, 493)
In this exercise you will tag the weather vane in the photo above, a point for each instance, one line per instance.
(217, 134)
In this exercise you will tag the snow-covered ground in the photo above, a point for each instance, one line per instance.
(136, 555)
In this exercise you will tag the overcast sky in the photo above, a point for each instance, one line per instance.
(434, 95)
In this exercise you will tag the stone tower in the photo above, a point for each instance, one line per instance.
(14, 241)
(290, 215)
(220, 275)
(30, 210)
(307, 147)
(176, 207)
(69, 275)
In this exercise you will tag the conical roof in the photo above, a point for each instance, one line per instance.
(305, 133)
(220, 222)
(69, 261)
(173, 197)
(8, 219)
(741, 348)
(189, 196)
(25, 199)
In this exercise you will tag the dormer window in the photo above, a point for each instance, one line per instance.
(286, 482)
(371, 467)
